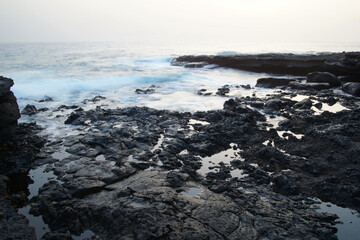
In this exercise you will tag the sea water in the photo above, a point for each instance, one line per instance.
(71, 72)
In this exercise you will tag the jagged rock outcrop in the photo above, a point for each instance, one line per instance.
(9, 109)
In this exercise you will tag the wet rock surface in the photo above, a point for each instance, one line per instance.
(19, 152)
(18, 146)
(12, 224)
(247, 171)
(17, 155)
(134, 173)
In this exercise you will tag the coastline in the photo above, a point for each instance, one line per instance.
(138, 166)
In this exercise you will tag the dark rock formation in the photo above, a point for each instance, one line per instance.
(19, 151)
(352, 88)
(46, 99)
(93, 100)
(12, 224)
(304, 104)
(350, 78)
(9, 110)
(323, 77)
(273, 82)
(195, 65)
(146, 91)
(32, 110)
(342, 64)
(223, 91)
(309, 86)
(147, 165)
(142, 173)
(19, 145)
(29, 110)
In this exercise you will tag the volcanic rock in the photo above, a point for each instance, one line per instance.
(273, 82)
(279, 63)
(9, 109)
(309, 86)
(352, 88)
(323, 77)
(29, 110)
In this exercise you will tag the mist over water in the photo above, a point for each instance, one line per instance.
(70, 72)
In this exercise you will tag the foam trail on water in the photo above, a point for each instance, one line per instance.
(60, 87)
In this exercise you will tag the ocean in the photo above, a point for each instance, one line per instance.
(72, 72)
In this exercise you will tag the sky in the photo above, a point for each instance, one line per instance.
(179, 20)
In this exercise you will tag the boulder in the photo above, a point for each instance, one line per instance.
(146, 91)
(283, 185)
(352, 88)
(274, 104)
(29, 110)
(323, 77)
(223, 91)
(9, 109)
(304, 104)
(273, 82)
(46, 99)
(247, 86)
(73, 116)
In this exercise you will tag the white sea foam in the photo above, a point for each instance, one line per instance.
(70, 79)
(70, 72)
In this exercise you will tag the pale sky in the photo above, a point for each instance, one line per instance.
(178, 20)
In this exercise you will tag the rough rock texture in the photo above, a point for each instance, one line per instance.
(352, 88)
(12, 224)
(146, 206)
(9, 110)
(142, 173)
(273, 82)
(19, 145)
(134, 172)
(19, 151)
(29, 110)
(323, 77)
(343, 64)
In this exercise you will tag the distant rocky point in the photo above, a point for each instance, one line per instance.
(322, 71)
(339, 64)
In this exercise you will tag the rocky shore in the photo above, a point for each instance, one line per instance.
(19, 145)
(342, 64)
(252, 170)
